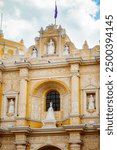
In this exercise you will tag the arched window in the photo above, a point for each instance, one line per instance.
(54, 97)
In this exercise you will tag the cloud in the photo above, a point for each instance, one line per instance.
(1, 3)
(78, 17)
(80, 21)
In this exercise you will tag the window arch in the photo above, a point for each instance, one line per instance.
(54, 97)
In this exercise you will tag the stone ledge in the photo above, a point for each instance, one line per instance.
(23, 64)
(48, 130)
(82, 127)
(21, 142)
(79, 127)
(3, 130)
(21, 129)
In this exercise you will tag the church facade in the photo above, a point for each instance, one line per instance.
(49, 94)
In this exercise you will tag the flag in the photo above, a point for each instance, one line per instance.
(56, 11)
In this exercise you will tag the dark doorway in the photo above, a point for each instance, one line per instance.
(49, 148)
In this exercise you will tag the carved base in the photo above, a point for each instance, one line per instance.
(75, 147)
(74, 120)
(49, 124)
(20, 147)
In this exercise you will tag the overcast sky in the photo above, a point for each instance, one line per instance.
(24, 18)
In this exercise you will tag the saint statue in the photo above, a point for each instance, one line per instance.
(34, 53)
(91, 105)
(51, 47)
(50, 113)
(11, 108)
(66, 50)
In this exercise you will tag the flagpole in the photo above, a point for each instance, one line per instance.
(55, 7)
(56, 11)
(55, 21)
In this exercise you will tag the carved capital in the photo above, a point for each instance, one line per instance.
(23, 72)
(75, 67)
(74, 73)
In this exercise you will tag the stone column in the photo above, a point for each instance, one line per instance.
(22, 97)
(75, 94)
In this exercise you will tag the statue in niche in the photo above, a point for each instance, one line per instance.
(66, 50)
(50, 113)
(50, 121)
(51, 47)
(91, 105)
(34, 53)
(11, 107)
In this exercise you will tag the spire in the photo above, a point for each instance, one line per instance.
(1, 31)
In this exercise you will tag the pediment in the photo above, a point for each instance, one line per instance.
(90, 86)
(10, 92)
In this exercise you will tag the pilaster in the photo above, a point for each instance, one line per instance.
(0, 92)
(21, 134)
(75, 96)
(23, 97)
(20, 141)
(75, 141)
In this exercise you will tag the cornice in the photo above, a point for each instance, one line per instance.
(74, 60)
(75, 128)
(23, 65)
(20, 129)
(81, 128)
(66, 63)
